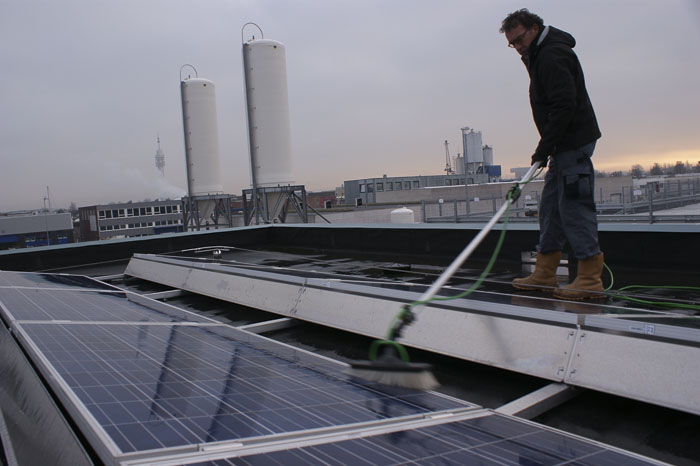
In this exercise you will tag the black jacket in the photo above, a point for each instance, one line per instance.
(560, 104)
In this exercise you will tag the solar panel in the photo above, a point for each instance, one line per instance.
(491, 439)
(43, 304)
(145, 380)
(156, 386)
(50, 280)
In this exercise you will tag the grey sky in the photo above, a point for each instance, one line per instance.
(375, 87)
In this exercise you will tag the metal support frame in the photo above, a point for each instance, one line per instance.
(193, 207)
(165, 294)
(256, 204)
(492, 333)
(540, 401)
(270, 325)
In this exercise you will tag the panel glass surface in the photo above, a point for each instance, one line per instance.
(154, 386)
(491, 439)
(43, 304)
(50, 280)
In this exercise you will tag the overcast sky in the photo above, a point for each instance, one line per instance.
(375, 87)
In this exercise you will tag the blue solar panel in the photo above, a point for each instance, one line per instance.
(139, 375)
(491, 439)
(50, 280)
(155, 386)
(43, 304)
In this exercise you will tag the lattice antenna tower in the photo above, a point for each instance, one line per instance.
(160, 158)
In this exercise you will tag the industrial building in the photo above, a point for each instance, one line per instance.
(131, 219)
(368, 190)
(477, 163)
(29, 229)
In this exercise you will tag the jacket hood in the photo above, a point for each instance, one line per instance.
(555, 36)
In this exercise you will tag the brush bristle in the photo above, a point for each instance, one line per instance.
(419, 380)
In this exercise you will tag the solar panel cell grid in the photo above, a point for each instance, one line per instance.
(160, 386)
(490, 439)
(49, 280)
(41, 304)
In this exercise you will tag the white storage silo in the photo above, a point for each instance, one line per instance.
(265, 71)
(471, 141)
(201, 136)
(459, 165)
(488, 154)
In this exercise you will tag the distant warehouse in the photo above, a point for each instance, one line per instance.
(29, 229)
(365, 190)
(131, 219)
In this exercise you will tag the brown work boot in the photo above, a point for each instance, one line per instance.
(545, 274)
(588, 283)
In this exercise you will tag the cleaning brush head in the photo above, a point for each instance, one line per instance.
(389, 369)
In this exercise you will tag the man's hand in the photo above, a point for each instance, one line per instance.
(538, 158)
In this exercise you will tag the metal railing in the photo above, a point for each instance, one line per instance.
(655, 202)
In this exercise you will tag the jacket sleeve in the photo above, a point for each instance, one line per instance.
(556, 75)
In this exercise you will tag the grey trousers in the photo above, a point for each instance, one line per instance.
(567, 209)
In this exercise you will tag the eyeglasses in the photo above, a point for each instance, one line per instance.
(518, 40)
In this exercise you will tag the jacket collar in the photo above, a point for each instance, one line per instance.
(536, 42)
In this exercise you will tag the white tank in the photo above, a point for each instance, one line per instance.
(402, 215)
(471, 142)
(488, 154)
(459, 165)
(201, 136)
(265, 72)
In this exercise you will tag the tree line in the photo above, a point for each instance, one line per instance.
(657, 169)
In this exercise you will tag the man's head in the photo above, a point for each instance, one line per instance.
(521, 27)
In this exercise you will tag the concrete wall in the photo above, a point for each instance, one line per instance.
(606, 190)
(35, 223)
(450, 193)
(365, 215)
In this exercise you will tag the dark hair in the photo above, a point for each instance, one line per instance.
(521, 17)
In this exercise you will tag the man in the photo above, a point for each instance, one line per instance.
(568, 129)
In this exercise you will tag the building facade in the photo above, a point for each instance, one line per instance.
(35, 229)
(127, 220)
(366, 189)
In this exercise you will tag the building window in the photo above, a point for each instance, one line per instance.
(398, 186)
(389, 186)
(362, 188)
(101, 214)
(406, 185)
(169, 209)
(370, 187)
(448, 182)
(416, 185)
(380, 186)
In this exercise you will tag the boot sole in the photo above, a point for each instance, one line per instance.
(543, 288)
(578, 298)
